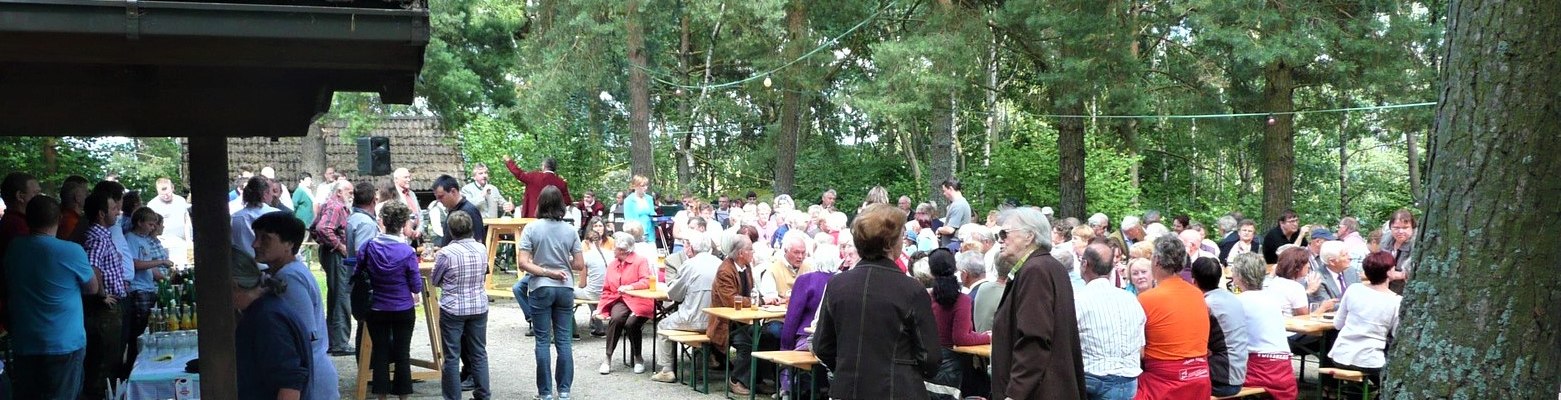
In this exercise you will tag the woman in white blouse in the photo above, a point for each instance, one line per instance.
(1268, 361)
(1367, 320)
(1294, 268)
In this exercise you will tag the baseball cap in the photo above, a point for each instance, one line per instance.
(1323, 233)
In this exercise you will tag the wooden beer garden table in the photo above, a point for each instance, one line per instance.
(657, 294)
(435, 364)
(496, 228)
(1305, 324)
(984, 351)
(751, 316)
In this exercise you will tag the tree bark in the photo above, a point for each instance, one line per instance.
(1278, 140)
(1415, 192)
(641, 162)
(1481, 309)
(685, 158)
(313, 151)
(1070, 162)
(791, 103)
(941, 160)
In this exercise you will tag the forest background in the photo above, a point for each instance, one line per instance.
(799, 96)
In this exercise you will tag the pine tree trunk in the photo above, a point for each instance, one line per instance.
(313, 151)
(1070, 162)
(641, 161)
(1481, 312)
(1278, 141)
(1415, 192)
(791, 104)
(940, 160)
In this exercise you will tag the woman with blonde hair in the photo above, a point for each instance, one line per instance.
(638, 207)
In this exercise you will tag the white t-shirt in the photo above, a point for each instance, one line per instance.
(1265, 324)
(1292, 294)
(1365, 319)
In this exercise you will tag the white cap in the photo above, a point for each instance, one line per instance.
(1129, 222)
(1046, 211)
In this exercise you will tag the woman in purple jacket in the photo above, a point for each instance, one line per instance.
(391, 264)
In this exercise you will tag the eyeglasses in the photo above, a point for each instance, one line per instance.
(1002, 234)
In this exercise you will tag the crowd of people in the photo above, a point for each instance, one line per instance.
(1071, 308)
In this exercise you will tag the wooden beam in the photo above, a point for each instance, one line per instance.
(213, 277)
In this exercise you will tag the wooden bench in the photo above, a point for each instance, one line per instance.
(1347, 375)
(695, 343)
(1244, 393)
(801, 361)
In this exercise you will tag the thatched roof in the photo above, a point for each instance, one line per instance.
(416, 143)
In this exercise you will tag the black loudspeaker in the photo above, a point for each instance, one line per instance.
(374, 156)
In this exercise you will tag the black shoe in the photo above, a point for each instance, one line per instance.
(468, 385)
(343, 353)
(598, 334)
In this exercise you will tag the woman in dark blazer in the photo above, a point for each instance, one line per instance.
(876, 332)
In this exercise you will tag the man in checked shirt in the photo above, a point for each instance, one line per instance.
(105, 341)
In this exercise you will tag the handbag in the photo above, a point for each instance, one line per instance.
(362, 291)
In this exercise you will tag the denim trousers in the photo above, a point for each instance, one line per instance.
(552, 321)
(520, 296)
(55, 376)
(465, 338)
(1110, 387)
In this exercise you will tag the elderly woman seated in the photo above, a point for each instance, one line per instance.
(1367, 317)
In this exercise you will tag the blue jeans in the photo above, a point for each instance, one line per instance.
(552, 317)
(1225, 390)
(47, 377)
(465, 337)
(520, 296)
(1110, 387)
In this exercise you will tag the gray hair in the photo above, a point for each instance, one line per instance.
(1227, 223)
(341, 184)
(972, 263)
(623, 241)
(1170, 254)
(793, 238)
(1130, 222)
(973, 232)
(1249, 270)
(1098, 219)
(1064, 255)
(1030, 221)
(1331, 250)
(698, 241)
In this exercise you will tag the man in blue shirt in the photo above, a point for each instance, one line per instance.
(47, 279)
(278, 236)
(271, 344)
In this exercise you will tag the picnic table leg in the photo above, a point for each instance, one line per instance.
(753, 364)
(655, 321)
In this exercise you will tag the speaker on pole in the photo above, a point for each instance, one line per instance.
(374, 156)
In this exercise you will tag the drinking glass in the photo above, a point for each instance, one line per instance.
(1316, 311)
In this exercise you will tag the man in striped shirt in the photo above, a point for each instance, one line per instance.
(105, 341)
(1111, 330)
(460, 270)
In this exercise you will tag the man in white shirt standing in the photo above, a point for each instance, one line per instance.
(1111, 330)
(957, 214)
(174, 209)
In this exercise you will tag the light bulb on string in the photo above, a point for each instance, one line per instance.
(1271, 120)
(767, 82)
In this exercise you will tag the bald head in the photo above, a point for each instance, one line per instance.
(1193, 239)
(402, 178)
(1097, 261)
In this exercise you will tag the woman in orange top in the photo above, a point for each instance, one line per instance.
(625, 315)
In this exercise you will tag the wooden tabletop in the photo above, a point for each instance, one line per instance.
(745, 315)
(792, 358)
(984, 350)
(657, 294)
(1306, 325)
(506, 222)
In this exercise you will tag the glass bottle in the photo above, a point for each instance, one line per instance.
(155, 321)
(172, 323)
(187, 322)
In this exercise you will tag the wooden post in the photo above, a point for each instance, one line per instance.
(209, 213)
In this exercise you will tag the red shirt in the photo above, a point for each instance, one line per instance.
(535, 181)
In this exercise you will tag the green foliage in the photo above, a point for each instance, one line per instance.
(74, 156)
(143, 160)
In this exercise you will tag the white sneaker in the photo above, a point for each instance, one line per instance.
(639, 368)
(664, 376)
(605, 369)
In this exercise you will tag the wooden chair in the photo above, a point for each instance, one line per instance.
(693, 344)
(1244, 393)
